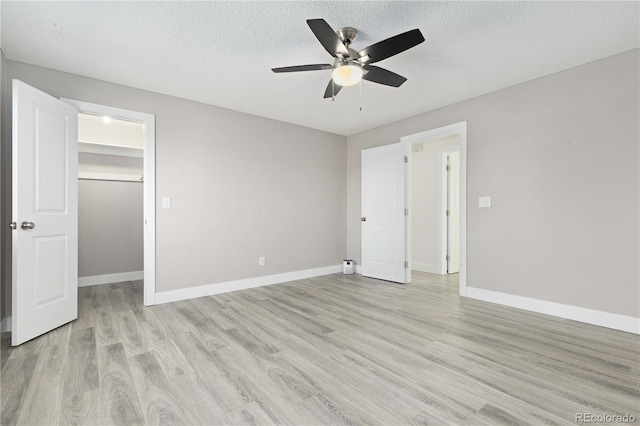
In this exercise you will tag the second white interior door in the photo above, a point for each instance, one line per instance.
(453, 219)
(383, 213)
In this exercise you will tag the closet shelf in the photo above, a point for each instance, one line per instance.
(109, 176)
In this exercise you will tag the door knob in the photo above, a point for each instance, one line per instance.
(364, 219)
(27, 225)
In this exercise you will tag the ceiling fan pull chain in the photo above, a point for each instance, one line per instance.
(360, 95)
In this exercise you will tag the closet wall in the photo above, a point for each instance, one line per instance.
(110, 228)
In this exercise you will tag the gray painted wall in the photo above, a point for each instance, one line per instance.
(560, 158)
(110, 233)
(109, 227)
(241, 186)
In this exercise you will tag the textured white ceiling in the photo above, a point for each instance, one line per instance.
(221, 53)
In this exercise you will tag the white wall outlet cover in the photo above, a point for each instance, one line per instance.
(484, 202)
(166, 202)
(262, 261)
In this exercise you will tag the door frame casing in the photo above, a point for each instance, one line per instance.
(149, 183)
(459, 129)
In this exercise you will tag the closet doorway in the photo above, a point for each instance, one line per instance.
(435, 212)
(116, 197)
(447, 141)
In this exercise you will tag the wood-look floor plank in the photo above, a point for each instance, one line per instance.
(445, 400)
(222, 388)
(41, 343)
(363, 404)
(426, 418)
(198, 403)
(14, 382)
(211, 304)
(278, 394)
(251, 415)
(98, 297)
(118, 397)
(130, 333)
(86, 310)
(203, 326)
(82, 409)
(157, 396)
(44, 395)
(566, 381)
(117, 298)
(82, 368)
(106, 327)
(162, 345)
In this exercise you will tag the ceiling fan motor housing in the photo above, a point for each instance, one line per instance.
(347, 35)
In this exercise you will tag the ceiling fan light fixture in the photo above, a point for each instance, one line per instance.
(347, 74)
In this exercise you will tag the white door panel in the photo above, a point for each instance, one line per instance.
(453, 222)
(44, 258)
(383, 204)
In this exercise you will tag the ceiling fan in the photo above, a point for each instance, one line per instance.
(349, 66)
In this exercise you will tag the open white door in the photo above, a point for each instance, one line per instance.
(453, 218)
(45, 213)
(383, 213)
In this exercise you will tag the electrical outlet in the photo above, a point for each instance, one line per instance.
(262, 261)
(484, 202)
(166, 202)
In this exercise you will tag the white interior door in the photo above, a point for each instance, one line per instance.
(453, 219)
(383, 213)
(45, 213)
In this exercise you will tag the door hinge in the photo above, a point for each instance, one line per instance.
(448, 258)
(448, 213)
(406, 159)
(448, 168)
(406, 212)
(406, 264)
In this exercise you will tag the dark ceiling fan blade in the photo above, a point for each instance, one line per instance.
(391, 46)
(382, 76)
(327, 37)
(313, 67)
(332, 89)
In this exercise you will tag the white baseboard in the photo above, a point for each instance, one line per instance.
(225, 287)
(576, 313)
(5, 325)
(425, 267)
(110, 278)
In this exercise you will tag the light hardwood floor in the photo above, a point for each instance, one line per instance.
(329, 350)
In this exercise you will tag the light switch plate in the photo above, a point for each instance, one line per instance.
(484, 202)
(166, 202)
